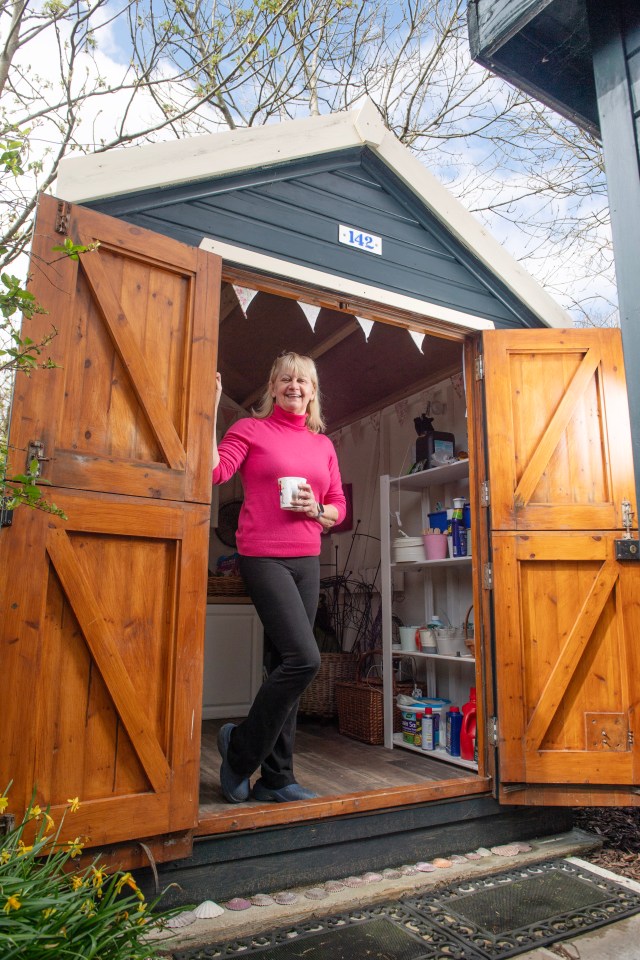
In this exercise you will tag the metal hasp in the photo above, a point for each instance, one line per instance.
(35, 451)
(628, 548)
(6, 514)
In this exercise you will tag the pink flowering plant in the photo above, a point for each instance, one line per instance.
(48, 908)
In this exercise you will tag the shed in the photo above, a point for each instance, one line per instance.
(327, 237)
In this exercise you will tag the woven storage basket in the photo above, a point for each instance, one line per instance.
(360, 704)
(226, 587)
(319, 699)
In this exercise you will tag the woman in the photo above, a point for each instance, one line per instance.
(279, 560)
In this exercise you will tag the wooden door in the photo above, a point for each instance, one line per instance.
(566, 613)
(102, 614)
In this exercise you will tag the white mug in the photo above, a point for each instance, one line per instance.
(288, 487)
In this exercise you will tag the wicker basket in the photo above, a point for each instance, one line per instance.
(319, 699)
(226, 587)
(360, 705)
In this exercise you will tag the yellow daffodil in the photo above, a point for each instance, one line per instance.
(76, 882)
(75, 847)
(74, 804)
(4, 803)
(142, 907)
(50, 823)
(34, 812)
(127, 879)
(98, 876)
(23, 848)
(48, 912)
(5, 856)
(13, 903)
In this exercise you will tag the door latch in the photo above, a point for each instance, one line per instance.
(35, 451)
(628, 548)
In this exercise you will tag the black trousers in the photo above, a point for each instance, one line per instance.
(285, 593)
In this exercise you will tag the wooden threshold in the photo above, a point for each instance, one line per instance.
(256, 816)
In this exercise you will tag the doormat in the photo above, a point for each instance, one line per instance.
(488, 918)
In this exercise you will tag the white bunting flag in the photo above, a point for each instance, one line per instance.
(245, 295)
(417, 338)
(311, 313)
(367, 326)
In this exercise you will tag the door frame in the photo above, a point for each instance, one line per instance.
(258, 816)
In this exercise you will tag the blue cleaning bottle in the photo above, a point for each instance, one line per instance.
(454, 726)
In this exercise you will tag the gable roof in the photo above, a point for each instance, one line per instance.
(135, 182)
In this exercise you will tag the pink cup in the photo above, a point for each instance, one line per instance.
(435, 546)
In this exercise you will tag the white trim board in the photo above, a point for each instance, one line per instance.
(329, 281)
(128, 170)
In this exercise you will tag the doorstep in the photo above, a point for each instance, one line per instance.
(232, 925)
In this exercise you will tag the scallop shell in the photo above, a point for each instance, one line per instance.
(371, 877)
(483, 852)
(316, 893)
(408, 870)
(262, 900)
(457, 858)
(285, 897)
(180, 920)
(207, 910)
(238, 903)
(353, 881)
(473, 855)
(390, 874)
(506, 850)
(332, 886)
(441, 863)
(523, 847)
(425, 867)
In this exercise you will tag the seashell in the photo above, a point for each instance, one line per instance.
(408, 870)
(238, 903)
(506, 850)
(523, 847)
(180, 920)
(473, 855)
(390, 874)
(207, 910)
(457, 858)
(483, 852)
(332, 886)
(425, 867)
(262, 900)
(353, 881)
(371, 877)
(441, 863)
(316, 893)
(285, 897)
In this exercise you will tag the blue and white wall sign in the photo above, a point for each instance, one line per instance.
(353, 237)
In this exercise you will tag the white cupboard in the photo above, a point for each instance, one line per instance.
(232, 660)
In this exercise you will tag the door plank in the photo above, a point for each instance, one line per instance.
(141, 378)
(557, 425)
(104, 650)
(570, 654)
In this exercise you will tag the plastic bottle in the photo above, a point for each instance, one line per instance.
(428, 730)
(454, 723)
(468, 729)
(458, 528)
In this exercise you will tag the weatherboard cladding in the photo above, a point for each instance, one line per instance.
(292, 212)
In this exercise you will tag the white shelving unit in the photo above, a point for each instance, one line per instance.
(453, 673)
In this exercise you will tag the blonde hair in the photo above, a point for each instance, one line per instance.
(298, 366)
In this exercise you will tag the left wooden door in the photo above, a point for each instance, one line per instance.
(102, 615)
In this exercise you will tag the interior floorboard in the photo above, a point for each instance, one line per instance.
(329, 764)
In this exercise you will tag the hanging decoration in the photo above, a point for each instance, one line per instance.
(311, 313)
(402, 409)
(367, 326)
(417, 338)
(374, 420)
(457, 383)
(245, 295)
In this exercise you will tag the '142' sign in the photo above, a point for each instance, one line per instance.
(353, 237)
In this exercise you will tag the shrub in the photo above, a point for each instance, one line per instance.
(48, 908)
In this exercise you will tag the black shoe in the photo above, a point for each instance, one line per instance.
(235, 788)
(292, 791)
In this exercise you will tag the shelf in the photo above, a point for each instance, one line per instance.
(427, 478)
(432, 656)
(428, 564)
(438, 754)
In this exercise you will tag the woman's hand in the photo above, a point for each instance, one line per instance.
(306, 503)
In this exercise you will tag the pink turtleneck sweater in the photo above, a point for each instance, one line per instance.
(263, 450)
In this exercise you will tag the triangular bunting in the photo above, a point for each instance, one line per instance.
(417, 338)
(311, 313)
(245, 295)
(367, 326)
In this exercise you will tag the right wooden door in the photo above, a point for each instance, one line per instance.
(566, 613)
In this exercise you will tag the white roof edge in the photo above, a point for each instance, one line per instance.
(329, 281)
(168, 163)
